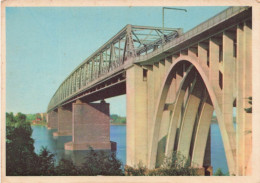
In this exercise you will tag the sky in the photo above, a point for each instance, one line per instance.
(45, 44)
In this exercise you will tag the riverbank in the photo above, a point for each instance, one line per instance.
(117, 124)
(39, 124)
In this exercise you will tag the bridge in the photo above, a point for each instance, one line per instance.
(173, 82)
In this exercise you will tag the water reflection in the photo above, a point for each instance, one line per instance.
(44, 137)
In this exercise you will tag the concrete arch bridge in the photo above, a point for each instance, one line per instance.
(173, 82)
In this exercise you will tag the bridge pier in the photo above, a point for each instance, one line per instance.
(137, 127)
(64, 122)
(90, 126)
(52, 120)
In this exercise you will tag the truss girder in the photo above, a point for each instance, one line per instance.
(110, 56)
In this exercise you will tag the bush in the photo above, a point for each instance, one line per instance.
(138, 171)
(220, 173)
(45, 162)
(176, 165)
(67, 168)
(101, 163)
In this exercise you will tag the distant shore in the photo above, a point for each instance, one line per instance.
(112, 124)
(117, 124)
(40, 124)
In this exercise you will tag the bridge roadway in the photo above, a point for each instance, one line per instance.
(173, 82)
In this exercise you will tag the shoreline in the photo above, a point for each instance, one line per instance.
(111, 124)
(117, 124)
(39, 125)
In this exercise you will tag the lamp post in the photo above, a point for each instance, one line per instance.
(168, 8)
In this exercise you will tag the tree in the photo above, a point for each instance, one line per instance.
(10, 119)
(38, 116)
(20, 155)
(67, 168)
(45, 162)
(101, 163)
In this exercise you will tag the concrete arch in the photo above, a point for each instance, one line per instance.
(161, 101)
(189, 117)
(176, 112)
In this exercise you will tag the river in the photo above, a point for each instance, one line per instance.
(43, 137)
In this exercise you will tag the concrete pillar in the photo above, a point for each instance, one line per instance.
(64, 122)
(91, 126)
(150, 102)
(192, 51)
(52, 120)
(248, 93)
(164, 127)
(137, 140)
(165, 117)
(168, 62)
(207, 154)
(202, 55)
(156, 73)
(172, 91)
(227, 100)
(244, 90)
(202, 132)
(214, 68)
(188, 120)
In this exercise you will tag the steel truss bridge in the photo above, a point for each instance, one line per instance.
(173, 82)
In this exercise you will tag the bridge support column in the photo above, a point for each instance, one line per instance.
(90, 126)
(188, 121)
(64, 122)
(201, 151)
(52, 120)
(227, 102)
(136, 140)
(244, 86)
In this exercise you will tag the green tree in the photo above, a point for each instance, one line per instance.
(101, 163)
(67, 168)
(45, 162)
(10, 119)
(20, 155)
(38, 116)
(118, 119)
(30, 117)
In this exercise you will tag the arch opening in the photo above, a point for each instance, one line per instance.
(205, 104)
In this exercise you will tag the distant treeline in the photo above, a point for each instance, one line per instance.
(115, 119)
(37, 119)
(37, 116)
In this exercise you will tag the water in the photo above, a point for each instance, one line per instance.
(43, 137)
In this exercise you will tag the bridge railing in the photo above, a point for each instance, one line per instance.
(222, 16)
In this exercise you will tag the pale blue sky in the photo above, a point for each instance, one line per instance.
(44, 44)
